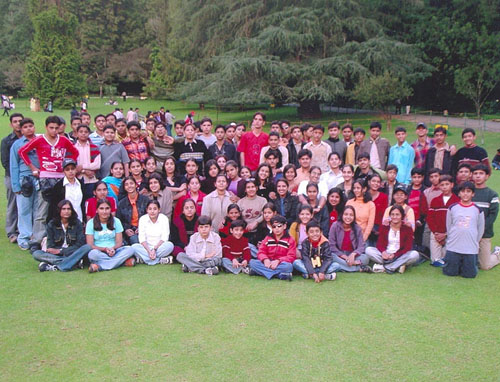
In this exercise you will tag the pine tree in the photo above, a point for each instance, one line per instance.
(307, 52)
(53, 68)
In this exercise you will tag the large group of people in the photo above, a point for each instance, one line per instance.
(271, 204)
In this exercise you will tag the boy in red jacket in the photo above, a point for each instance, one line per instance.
(235, 250)
(436, 219)
(276, 253)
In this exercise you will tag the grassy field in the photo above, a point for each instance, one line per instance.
(156, 323)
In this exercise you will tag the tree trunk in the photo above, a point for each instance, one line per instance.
(309, 109)
(100, 91)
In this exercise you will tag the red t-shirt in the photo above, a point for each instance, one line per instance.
(251, 145)
(347, 243)
(334, 216)
(381, 204)
(91, 204)
(414, 202)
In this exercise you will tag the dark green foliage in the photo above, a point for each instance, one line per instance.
(53, 68)
(280, 51)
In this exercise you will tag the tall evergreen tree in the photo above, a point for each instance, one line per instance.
(53, 67)
(309, 52)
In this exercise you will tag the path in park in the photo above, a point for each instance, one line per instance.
(429, 120)
(432, 120)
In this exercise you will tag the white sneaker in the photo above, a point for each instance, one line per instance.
(166, 260)
(378, 268)
(496, 252)
(331, 276)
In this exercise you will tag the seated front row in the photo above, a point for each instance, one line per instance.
(199, 249)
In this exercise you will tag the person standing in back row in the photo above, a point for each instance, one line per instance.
(252, 142)
(51, 150)
(7, 142)
(377, 147)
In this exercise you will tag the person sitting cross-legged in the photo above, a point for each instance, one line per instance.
(394, 245)
(203, 254)
(317, 260)
(65, 241)
(105, 237)
(154, 231)
(235, 249)
(276, 253)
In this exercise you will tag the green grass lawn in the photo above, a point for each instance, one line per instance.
(156, 323)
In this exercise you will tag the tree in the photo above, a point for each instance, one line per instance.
(156, 85)
(53, 67)
(307, 52)
(477, 78)
(380, 93)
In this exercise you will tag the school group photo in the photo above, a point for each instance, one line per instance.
(310, 201)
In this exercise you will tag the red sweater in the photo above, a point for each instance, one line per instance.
(50, 157)
(418, 202)
(436, 218)
(381, 203)
(405, 239)
(238, 249)
(284, 249)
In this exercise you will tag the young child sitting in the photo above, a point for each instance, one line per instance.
(276, 253)
(203, 254)
(235, 250)
(317, 260)
(465, 228)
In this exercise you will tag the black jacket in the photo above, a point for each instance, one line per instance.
(292, 153)
(75, 237)
(124, 210)
(290, 205)
(323, 251)
(429, 163)
(58, 193)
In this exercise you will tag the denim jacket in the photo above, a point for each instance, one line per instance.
(75, 237)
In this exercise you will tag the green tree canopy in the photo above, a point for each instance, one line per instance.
(309, 52)
(53, 68)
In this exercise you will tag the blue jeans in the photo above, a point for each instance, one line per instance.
(228, 265)
(106, 262)
(259, 267)
(169, 129)
(64, 263)
(355, 268)
(496, 166)
(30, 223)
(300, 267)
(459, 264)
(253, 250)
(11, 215)
(163, 251)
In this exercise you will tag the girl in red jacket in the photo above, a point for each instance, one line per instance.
(394, 245)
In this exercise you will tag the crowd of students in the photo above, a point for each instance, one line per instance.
(247, 202)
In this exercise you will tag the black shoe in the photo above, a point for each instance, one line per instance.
(365, 269)
(44, 267)
(285, 276)
(212, 271)
(388, 271)
(184, 268)
(251, 272)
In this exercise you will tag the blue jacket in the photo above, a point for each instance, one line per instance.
(19, 169)
(403, 157)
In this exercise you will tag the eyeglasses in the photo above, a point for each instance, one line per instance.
(277, 225)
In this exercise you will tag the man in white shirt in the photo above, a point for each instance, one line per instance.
(320, 150)
(333, 177)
